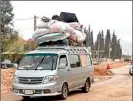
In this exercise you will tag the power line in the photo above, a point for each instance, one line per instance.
(24, 19)
(28, 18)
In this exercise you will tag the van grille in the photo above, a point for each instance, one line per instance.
(30, 80)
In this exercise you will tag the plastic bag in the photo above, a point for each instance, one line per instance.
(78, 37)
(42, 25)
(58, 27)
(75, 25)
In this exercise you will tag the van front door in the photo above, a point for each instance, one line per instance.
(63, 70)
(75, 70)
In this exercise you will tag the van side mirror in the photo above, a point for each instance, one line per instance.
(62, 66)
(15, 65)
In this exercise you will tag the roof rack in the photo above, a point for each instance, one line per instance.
(70, 49)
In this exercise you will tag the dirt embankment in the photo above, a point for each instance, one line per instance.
(101, 70)
(6, 80)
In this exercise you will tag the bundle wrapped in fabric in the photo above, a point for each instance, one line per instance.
(40, 32)
(51, 37)
(74, 25)
(54, 30)
(77, 37)
(45, 24)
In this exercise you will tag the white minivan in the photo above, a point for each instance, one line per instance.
(51, 71)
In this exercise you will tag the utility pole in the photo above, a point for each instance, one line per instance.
(34, 22)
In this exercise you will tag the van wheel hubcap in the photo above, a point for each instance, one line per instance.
(65, 91)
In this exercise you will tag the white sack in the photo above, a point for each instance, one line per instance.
(42, 25)
(52, 37)
(45, 24)
(40, 32)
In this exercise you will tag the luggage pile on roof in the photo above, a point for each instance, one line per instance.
(61, 29)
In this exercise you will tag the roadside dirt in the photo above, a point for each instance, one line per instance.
(6, 80)
(101, 70)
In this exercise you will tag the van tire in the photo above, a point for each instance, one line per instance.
(86, 87)
(130, 72)
(64, 91)
(26, 97)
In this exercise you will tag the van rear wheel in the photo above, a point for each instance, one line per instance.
(64, 92)
(86, 87)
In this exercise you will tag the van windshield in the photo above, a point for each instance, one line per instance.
(38, 61)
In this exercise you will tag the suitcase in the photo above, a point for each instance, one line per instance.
(68, 17)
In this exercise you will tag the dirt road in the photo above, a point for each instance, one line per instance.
(117, 88)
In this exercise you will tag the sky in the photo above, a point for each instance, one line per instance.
(100, 15)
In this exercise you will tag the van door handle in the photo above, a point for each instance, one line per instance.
(68, 70)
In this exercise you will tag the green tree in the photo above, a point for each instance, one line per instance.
(85, 30)
(97, 42)
(87, 42)
(119, 50)
(8, 35)
(92, 38)
(29, 45)
(107, 42)
(114, 47)
(102, 42)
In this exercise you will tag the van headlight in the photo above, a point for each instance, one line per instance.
(49, 79)
(15, 79)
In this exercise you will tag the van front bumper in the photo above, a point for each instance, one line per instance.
(36, 90)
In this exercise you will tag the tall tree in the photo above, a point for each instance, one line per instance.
(102, 42)
(88, 37)
(107, 43)
(114, 46)
(92, 38)
(8, 35)
(85, 30)
(97, 42)
(6, 15)
(119, 50)
(29, 45)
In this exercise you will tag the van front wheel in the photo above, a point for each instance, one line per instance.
(86, 87)
(64, 92)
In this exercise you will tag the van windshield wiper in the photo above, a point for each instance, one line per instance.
(39, 63)
(52, 63)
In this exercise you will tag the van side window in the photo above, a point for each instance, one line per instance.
(89, 61)
(74, 61)
(63, 59)
(85, 60)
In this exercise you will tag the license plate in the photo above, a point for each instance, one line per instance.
(29, 92)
